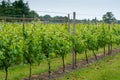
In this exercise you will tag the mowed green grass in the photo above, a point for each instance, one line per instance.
(105, 69)
(22, 71)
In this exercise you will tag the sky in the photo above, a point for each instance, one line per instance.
(83, 8)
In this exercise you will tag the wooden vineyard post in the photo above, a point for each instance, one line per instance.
(23, 29)
(109, 51)
(34, 19)
(68, 23)
(23, 23)
(73, 50)
(5, 20)
(23, 20)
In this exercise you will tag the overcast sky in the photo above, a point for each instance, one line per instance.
(83, 8)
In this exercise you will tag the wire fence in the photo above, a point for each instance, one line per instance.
(55, 19)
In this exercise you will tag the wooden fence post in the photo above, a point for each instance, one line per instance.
(68, 23)
(109, 50)
(74, 31)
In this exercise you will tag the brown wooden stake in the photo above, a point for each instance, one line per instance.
(73, 51)
(109, 51)
(68, 23)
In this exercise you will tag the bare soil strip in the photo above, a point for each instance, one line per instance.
(68, 68)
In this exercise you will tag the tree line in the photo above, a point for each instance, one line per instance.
(107, 18)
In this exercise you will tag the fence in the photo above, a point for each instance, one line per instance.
(56, 19)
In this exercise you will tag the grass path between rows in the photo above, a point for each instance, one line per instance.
(106, 69)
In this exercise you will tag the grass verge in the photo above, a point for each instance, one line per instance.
(105, 69)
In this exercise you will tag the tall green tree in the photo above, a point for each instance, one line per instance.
(109, 18)
(6, 8)
(2, 7)
(20, 8)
